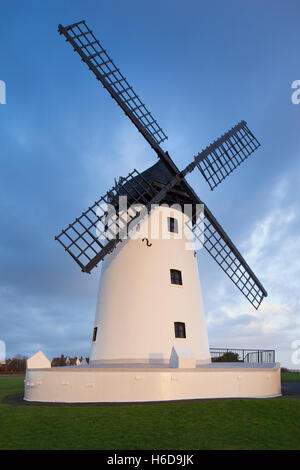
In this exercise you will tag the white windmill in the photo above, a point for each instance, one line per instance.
(150, 310)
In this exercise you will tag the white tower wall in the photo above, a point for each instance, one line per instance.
(138, 305)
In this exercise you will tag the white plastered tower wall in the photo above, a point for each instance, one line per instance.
(137, 303)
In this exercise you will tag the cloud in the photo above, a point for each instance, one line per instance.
(272, 249)
(46, 302)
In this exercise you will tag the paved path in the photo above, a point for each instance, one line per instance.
(290, 389)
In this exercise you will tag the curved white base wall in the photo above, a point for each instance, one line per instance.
(88, 385)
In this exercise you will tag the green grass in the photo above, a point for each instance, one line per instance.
(223, 424)
(290, 377)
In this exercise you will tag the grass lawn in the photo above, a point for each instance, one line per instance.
(290, 377)
(227, 424)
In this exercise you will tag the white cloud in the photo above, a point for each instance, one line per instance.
(272, 250)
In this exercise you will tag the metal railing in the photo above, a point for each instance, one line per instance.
(242, 355)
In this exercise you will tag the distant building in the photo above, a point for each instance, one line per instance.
(14, 365)
(63, 361)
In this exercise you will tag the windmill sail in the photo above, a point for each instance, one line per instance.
(225, 253)
(99, 229)
(100, 63)
(224, 155)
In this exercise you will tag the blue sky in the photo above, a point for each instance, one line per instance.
(200, 67)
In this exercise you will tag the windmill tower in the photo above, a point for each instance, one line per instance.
(145, 230)
(150, 298)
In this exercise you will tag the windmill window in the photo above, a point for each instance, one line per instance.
(172, 225)
(95, 333)
(179, 330)
(176, 277)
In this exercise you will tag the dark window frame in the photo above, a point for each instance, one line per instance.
(176, 277)
(172, 225)
(180, 330)
(95, 331)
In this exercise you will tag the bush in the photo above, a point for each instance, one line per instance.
(227, 357)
